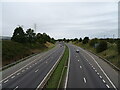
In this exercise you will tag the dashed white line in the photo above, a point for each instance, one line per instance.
(26, 68)
(107, 86)
(80, 66)
(18, 73)
(103, 80)
(97, 73)
(12, 76)
(30, 66)
(6, 81)
(85, 80)
(35, 63)
(100, 76)
(78, 60)
(16, 88)
(23, 70)
(37, 70)
(95, 70)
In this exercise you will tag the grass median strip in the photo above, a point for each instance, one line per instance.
(55, 78)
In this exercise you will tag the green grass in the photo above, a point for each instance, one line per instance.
(55, 77)
(13, 51)
(110, 54)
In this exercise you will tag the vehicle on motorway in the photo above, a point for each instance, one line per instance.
(77, 51)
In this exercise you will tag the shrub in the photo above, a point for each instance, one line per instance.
(93, 42)
(102, 46)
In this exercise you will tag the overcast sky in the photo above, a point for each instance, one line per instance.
(62, 19)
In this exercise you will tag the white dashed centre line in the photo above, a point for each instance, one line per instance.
(103, 80)
(100, 76)
(18, 73)
(16, 88)
(98, 73)
(84, 80)
(80, 66)
(107, 86)
(6, 81)
(95, 70)
(23, 70)
(12, 76)
(37, 70)
(78, 60)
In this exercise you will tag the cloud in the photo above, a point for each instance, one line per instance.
(63, 19)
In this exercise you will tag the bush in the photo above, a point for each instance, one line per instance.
(102, 46)
(93, 42)
(118, 46)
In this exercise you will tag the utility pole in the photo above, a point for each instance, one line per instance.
(35, 26)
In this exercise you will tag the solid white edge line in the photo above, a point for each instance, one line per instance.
(50, 70)
(37, 70)
(101, 70)
(68, 68)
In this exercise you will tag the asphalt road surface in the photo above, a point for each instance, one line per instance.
(88, 71)
(31, 72)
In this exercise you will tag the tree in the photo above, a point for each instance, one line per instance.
(80, 40)
(85, 40)
(30, 35)
(40, 38)
(75, 39)
(19, 35)
(102, 46)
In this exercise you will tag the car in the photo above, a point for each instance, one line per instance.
(77, 51)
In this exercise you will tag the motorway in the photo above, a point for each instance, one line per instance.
(86, 70)
(31, 72)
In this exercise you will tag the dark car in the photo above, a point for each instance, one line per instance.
(77, 51)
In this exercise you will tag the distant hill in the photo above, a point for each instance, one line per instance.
(5, 37)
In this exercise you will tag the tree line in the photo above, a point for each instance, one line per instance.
(30, 36)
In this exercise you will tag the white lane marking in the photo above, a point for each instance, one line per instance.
(6, 81)
(107, 86)
(85, 80)
(100, 76)
(95, 70)
(23, 70)
(12, 76)
(30, 66)
(18, 73)
(19, 69)
(78, 60)
(102, 71)
(103, 80)
(16, 87)
(37, 70)
(92, 66)
(35, 63)
(26, 68)
(80, 66)
(97, 73)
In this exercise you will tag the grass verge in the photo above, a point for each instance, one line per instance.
(56, 78)
(109, 54)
